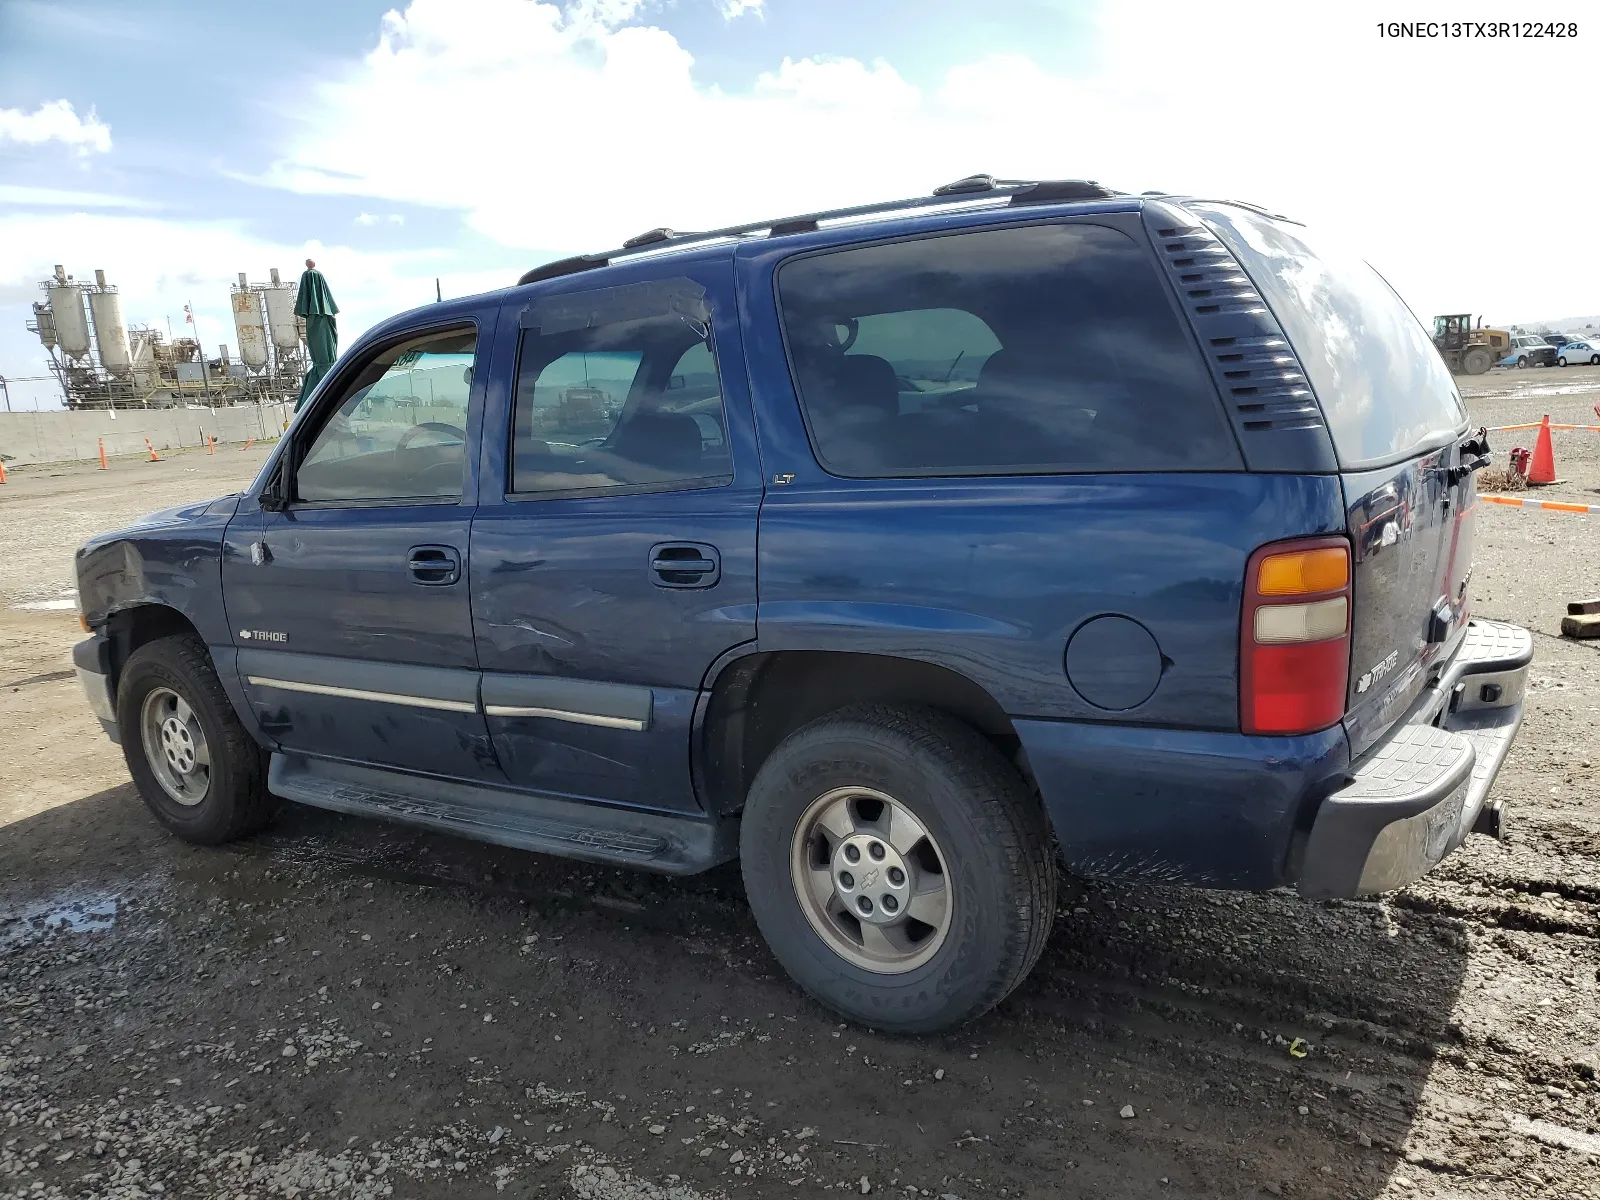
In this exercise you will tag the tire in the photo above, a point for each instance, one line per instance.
(985, 831)
(162, 680)
(1522, 363)
(1476, 361)
(1562, 361)
(1594, 360)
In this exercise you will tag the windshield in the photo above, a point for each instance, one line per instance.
(1385, 392)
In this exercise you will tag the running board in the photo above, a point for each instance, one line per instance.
(650, 841)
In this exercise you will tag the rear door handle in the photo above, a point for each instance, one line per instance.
(434, 566)
(685, 565)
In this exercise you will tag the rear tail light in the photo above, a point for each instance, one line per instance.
(1294, 646)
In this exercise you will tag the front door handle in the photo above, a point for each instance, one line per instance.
(434, 566)
(685, 565)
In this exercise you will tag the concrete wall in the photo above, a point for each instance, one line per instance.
(45, 437)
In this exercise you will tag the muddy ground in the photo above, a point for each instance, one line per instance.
(340, 1008)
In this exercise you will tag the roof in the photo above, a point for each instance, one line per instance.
(985, 189)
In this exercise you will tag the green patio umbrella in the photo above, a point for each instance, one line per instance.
(315, 305)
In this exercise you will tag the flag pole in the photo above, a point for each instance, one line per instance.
(205, 375)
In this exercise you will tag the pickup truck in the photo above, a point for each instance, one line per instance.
(918, 553)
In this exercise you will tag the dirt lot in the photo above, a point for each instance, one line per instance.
(339, 1008)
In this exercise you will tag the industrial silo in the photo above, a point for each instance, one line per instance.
(280, 314)
(67, 314)
(110, 330)
(249, 324)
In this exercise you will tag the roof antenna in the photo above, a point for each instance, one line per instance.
(438, 296)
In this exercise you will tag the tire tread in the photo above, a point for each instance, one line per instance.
(1008, 810)
(246, 806)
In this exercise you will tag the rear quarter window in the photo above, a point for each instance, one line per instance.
(1036, 349)
(1385, 392)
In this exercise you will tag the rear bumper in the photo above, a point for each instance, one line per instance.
(1415, 796)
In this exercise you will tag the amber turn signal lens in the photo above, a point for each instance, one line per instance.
(1302, 572)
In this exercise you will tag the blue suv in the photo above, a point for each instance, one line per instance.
(904, 553)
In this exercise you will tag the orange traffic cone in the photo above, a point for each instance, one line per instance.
(1543, 467)
(212, 442)
(2, 470)
(154, 457)
(100, 443)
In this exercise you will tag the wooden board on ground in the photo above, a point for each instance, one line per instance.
(1580, 608)
(1581, 627)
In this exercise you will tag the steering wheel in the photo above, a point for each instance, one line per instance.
(432, 427)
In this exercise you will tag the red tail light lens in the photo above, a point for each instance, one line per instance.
(1294, 638)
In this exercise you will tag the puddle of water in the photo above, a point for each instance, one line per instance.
(1523, 391)
(70, 912)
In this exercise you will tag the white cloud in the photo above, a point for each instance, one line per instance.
(601, 129)
(732, 10)
(55, 121)
(21, 196)
(370, 219)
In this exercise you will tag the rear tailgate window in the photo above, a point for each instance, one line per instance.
(1385, 392)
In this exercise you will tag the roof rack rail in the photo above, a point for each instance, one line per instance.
(970, 183)
(564, 266)
(1054, 191)
(651, 236)
(1021, 191)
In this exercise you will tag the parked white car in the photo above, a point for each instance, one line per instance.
(1572, 354)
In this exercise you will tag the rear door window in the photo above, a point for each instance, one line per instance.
(1036, 349)
(1385, 392)
(616, 404)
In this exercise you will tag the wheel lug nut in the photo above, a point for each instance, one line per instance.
(846, 880)
(890, 904)
(852, 854)
(864, 904)
(876, 850)
(896, 876)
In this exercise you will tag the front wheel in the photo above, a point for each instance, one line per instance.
(899, 867)
(195, 767)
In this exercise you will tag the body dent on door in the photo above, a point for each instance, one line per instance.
(567, 592)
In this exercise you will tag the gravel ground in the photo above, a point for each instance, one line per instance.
(341, 1008)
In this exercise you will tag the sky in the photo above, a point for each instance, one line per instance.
(467, 140)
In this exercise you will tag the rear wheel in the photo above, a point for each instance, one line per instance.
(195, 767)
(1594, 360)
(1522, 362)
(1476, 361)
(898, 866)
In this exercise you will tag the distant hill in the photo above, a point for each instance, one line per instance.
(1569, 325)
